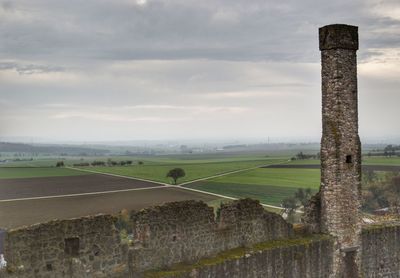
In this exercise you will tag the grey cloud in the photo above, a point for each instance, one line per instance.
(30, 68)
(7, 5)
(219, 30)
(260, 55)
(286, 85)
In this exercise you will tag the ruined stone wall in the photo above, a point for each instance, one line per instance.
(188, 231)
(309, 257)
(179, 232)
(82, 247)
(243, 241)
(171, 233)
(381, 251)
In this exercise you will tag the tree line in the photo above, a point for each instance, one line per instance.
(381, 191)
(109, 162)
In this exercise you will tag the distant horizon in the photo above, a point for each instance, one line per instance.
(226, 141)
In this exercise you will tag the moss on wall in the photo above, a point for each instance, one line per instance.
(237, 254)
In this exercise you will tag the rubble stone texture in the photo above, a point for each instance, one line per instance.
(340, 146)
(80, 247)
(185, 240)
(381, 251)
(187, 231)
(304, 259)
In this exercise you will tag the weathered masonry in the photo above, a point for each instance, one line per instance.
(340, 145)
(162, 236)
(186, 239)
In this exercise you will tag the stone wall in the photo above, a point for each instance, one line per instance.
(290, 258)
(185, 239)
(187, 231)
(381, 251)
(179, 232)
(82, 247)
(308, 256)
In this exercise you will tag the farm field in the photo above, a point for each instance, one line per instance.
(279, 177)
(268, 185)
(367, 167)
(148, 160)
(34, 172)
(56, 186)
(302, 162)
(207, 158)
(271, 185)
(194, 170)
(378, 160)
(18, 213)
(374, 160)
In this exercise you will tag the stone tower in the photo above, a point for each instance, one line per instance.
(340, 146)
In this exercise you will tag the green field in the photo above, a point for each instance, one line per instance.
(194, 170)
(153, 160)
(380, 160)
(35, 172)
(268, 185)
(304, 162)
(206, 158)
(279, 177)
(374, 160)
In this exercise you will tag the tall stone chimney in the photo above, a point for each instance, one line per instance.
(340, 146)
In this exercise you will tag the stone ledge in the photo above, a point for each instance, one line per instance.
(338, 36)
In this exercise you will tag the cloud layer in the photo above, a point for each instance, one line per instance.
(152, 69)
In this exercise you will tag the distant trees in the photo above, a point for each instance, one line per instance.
(303, 195)
(369, 176)
(390, 150)
(60, 164)
(299, 199)
(290, 205)
(82, 164)
(111, 162)
(98, 163)
(140, 162)
(303, 156)
(175, 174)
(381, 192)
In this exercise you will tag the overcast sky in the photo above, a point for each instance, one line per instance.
(180, 69)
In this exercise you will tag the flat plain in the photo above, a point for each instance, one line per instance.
(48, 192)
(195, 169)
(34, 172)
(67, 185)
(26, 212)
(268, 185)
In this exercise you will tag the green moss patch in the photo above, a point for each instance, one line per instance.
(380, 226)
(234, 254)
